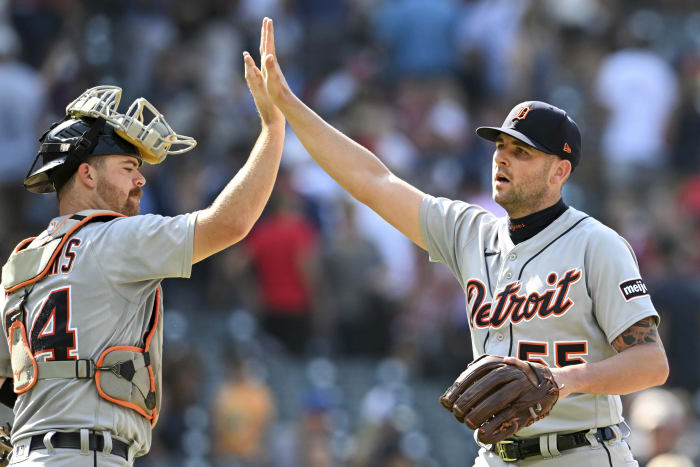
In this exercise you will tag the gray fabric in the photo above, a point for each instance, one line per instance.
(478, 250)
(64, 369)
(27, 264)
(111, 283)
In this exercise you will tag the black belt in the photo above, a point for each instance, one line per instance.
(72, 441)
(513, 450)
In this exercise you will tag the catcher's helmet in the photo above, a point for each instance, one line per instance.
(94, 127)
(66, 145)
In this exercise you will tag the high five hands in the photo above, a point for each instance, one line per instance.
(267, 81)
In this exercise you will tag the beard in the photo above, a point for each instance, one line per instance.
(111, 195)
(524, 196)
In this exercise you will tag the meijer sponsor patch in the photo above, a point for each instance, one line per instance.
(633, 288)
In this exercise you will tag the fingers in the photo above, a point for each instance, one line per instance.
(476, 409)
(263, 35)
(270, 71)
(267, 38)
(251, 71)
(270, 37)
(454, 391)
(525, 367)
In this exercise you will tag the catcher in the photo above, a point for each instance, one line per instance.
(554, 298)
(83, 315)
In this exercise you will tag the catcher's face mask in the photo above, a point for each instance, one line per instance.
(94, 127)
(154, 138)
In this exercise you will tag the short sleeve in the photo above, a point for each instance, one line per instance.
(447, 227)
(620, 297)
(147, 247)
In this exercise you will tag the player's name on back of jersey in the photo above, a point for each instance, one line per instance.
(511, 305)
(64, 262)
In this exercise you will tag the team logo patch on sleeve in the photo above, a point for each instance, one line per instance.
(633, 288)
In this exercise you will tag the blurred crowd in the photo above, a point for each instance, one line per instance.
(339, 335)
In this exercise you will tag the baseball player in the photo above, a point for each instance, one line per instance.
(547, 285)
(83, 314)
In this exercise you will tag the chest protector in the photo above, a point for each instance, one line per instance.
(124, 375)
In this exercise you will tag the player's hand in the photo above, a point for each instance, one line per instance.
(256, 78)
(275, 83)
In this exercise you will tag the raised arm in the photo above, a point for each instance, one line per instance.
(355, 168)
(233, 213)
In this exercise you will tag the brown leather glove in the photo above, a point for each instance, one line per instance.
(500, 398)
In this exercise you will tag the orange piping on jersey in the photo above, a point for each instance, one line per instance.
(147, 345)
(23, 244)
(154, 416)
(59, 225)
(156, 311)
(112, 399)
(60, 248)
(23, 336)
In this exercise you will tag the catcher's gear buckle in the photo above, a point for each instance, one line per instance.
(123, 369)
(86, 370)
(501, 450)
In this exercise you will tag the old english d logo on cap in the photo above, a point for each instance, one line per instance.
(522, 113)
(543, 126)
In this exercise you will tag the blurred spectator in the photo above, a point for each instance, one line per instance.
(418, 36)
(397, 252)
(408, 79)
(183, 376)
(307, 441)
(680, 324)
(242, 410)
(659, 420)
(671, 460)
(640, 90)
(686, 138)
(283, 252)
(21, 106)
(362, 314)
(484, 52)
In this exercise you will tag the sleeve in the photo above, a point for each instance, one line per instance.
(448, 227)
(146, 247)
(620, 297)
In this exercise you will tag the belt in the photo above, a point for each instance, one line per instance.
(513, 450)
(72, 441)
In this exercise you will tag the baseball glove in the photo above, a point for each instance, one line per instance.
(5, 444)
(500, 398)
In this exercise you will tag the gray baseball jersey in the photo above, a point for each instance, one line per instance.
(101, 292)
(559, 298)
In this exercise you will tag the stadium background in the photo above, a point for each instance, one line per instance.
(410, 79)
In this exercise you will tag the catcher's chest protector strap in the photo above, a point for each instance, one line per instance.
(125, 375)
(130, 376)
(29, 263)
(32, 259)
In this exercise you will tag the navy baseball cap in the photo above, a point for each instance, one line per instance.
(542, 126)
